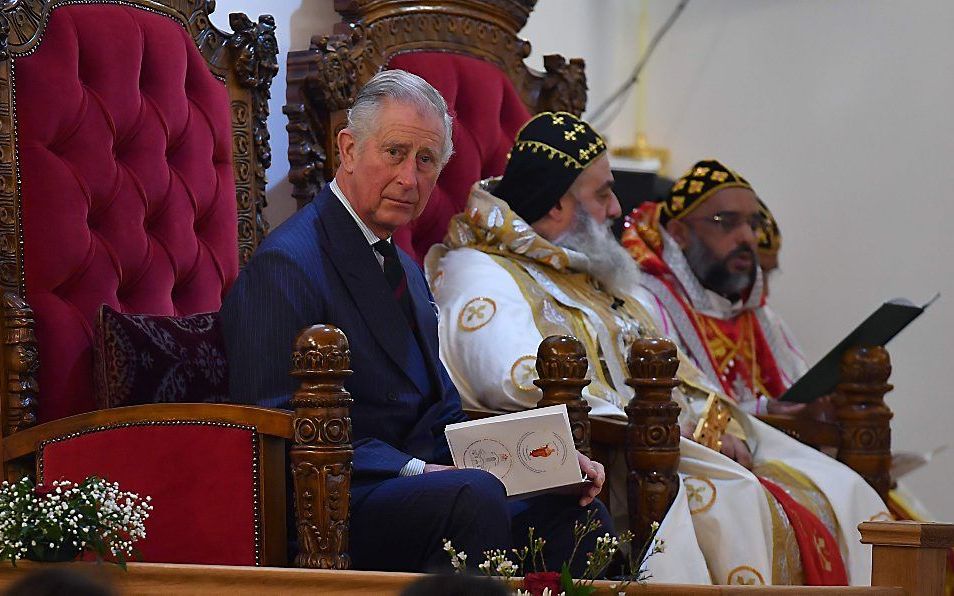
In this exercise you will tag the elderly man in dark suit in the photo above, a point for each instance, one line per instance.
(333, 262)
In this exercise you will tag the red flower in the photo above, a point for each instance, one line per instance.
(536, 582)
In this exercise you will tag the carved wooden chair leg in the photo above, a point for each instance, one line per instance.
(321, 454)
(561, 368)
(863, 417)
(652, 434)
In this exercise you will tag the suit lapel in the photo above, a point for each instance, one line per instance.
(353, 258)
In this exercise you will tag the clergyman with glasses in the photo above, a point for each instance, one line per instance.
(699, 252)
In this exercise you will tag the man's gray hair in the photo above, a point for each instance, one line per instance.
(404, 87)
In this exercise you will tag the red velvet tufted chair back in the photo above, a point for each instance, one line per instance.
(468, 50)
(139, 153)
(488, 113)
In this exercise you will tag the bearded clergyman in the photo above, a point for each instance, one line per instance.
(699, 252)
(531, 256)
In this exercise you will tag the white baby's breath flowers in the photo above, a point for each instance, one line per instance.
(68, 518)
(610, 543)
(458, 560)
(497, 563)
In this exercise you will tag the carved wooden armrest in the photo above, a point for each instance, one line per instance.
(561, 368)
(269, 422)
(812, 432)
(321, 455)
(652, 434)
(861, 430)
(320, 428)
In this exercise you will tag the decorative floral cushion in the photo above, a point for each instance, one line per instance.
(141, 359)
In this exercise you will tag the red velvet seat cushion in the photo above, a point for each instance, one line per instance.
(487, 112)
(128, 193)
(141, 359)
(201, 477)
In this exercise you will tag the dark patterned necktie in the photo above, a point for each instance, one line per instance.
(394, 273)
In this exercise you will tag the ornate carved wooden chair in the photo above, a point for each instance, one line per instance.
(469, 51)
(132, 156)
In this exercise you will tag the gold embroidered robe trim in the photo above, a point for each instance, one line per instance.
(804, 491)
(786, 560)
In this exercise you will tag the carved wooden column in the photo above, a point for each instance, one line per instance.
(652, 434)
(254, 56)
(321, 454)
(561, 368)
(20, 365)
(863, 417)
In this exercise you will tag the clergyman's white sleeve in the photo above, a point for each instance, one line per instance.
(488, 338)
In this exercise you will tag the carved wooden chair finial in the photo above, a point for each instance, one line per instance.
(561, 368)
(652, 434)
(863, 417)
(321, 454)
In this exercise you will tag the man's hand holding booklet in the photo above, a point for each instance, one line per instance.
(530, 452)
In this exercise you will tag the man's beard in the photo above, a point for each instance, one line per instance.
(610, 264)
(714, 274)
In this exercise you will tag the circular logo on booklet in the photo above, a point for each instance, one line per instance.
(490, 456)
(541, 452)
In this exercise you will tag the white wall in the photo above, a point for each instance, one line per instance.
(840, 113)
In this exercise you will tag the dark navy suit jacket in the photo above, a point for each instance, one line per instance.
(318, 267)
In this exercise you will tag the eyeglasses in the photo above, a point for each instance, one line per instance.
(729, 221)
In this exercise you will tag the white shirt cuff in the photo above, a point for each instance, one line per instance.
(414, 467)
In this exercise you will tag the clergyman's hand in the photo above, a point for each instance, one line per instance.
(428, 468)
(735, 448)
(597, 475)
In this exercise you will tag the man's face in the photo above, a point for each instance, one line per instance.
(591, 207)
(719, 239)
(593, 190)
(391, 173)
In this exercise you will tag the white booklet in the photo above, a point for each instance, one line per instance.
(529, 451)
